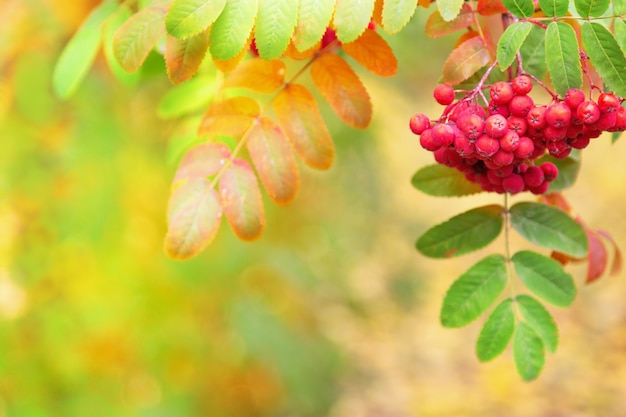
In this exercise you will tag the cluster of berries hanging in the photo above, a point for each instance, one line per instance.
(498, 146)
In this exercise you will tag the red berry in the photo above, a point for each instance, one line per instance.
(525, 148)
(329, 37)
(573, 98)
(501, 92)
(521, 105)
(553, 134)
(509, 141)
(464, 146)
(496, 125)
(418, 123)
(444, 134)
(536, 117)
(504, 171)
(513, 184)
(557, 148)
(448, 157)
(558, 115)
(588, 111)
(620, 120)
(540, 189)
(534, 177)
(550, 171)
(580, 142)
(605, 122)
(522, 84)
(486, 146)
(608, 103)
(503, 158)
(471, 124)
(428, 142)
(501, 109)
(518, 124)
(444, 94)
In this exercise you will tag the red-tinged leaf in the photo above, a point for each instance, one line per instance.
(465, 60)
(556, 200)
(465, 37)
(597, 257)
(436, 26)
(561, 257)
(242, 201)
(300, 119)
(343, 90)
(489, 7)
(202, 161)
(183, 57)
(274, 161)
(373, 52)
(618, 260)
(193, 217)
(258, 75)
(230, 117)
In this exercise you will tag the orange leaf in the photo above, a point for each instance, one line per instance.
(373, 52)
(193, 217)
(424, 3)
(274, 161)
(230, 117)
(436, 26)
(618, 260)
(241, 198)
(343, 90)
(377, 14)
(489, 7)
(466, 36)
(258, 75)
(465, 61)
(228, 65)
(202, 161)
(299, 117)
(597, 257)
(183, 57)
(293, 53)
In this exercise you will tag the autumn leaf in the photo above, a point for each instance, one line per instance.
(202, 161)
(258, 75)
(373, 52)
(343, 90)
(230, 117)
(183, 57)
(466, 60)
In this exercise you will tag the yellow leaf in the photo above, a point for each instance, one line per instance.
(228, 65)
(230, 117)
(343, 90)
(183, 57)
(300, 119)
(258, 75)
(373, 52)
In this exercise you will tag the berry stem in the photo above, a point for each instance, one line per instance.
(554, 95)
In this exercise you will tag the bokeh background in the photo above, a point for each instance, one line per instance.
(331, 313)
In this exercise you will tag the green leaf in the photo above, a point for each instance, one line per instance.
(313, 19)
(537, 317)
(528, 352)
(568, 170)
(275, 24)
(188, 97)
(463, 233)
(352, 18)
(549, 227)
(231, 30)
(545, 277)
(533, 54)
(593, 8)
(442, 181)
(474, 291)
(619, 7)
(606, 56)
(184, 57)
(497, 332)
(449, 9)
(80, 52)
(554, 8)
(190, 17)
(397, 13)
(134, 40)
(562, 57)
(510, 43)
(520, 8)
(619, 28)
(112, 24)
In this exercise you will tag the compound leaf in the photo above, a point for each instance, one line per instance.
(183, 57)
(274, 161)
(562, 57)
(80, 52)
(510, 43)
(352, 18)
(343, 90)
(193, 217)
(474, 291)
(258, 75)
(441, 181)
(528, 352)
(275, 24)
(300, 119)
(241, 197)
(537, 317)
(231, 30)
(593, 8)
(465, 60)
(463, 233)
(520, 8)
(373, 52)
(606, 56)
(187, 18)
(397, 13)
(555, 8)
(545, 277)
(313, 19)
(496, 332)
(201, 161)
(134, 40)
(230, 117)
(549, 227)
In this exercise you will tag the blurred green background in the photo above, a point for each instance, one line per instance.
(331, 313)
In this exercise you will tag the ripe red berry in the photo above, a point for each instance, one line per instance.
(464, 146)
(444, 94)
(580, 142)
(573, 98)
(503, 158)
(518, 124)
(513, 184)
(550, 171)
(418, 123)
(525, 148)
(534, 177)
(588, 111)
(521, 105)
(553, 134)
(329, 37)
(448, 157)
(509, 141)
(536, 117)
(486, 146)
(501, 109)
(443, 134)
(608, 103)
(558, 115)
(428, 142)
(620, 120)
(496, 125)
(471, 124)
(522, 84)
(540, 189)
(504, 171)
(605, 122)
(501, 92)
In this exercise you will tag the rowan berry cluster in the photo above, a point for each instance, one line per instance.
(499, 146)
